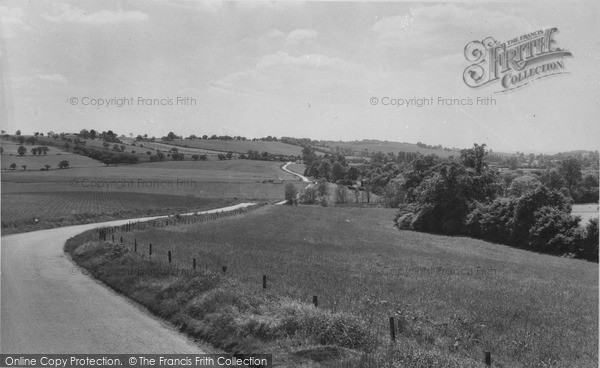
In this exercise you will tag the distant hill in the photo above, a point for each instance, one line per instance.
(386, 147)
(276, 148)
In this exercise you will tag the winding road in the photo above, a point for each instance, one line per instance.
(47, 306)
(304, 178)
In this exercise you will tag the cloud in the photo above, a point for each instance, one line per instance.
(11, 20)
(281, 74)
(428, 32)
(299, 35)
(71, 14)
(275, 33)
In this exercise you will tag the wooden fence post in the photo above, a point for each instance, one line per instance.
(315, 301)
(169, 254)
(264, 281)
(392, 329)
(150, 250)
(194, 264)
(488, 358)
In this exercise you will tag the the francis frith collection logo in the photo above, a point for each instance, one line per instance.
(516, 62)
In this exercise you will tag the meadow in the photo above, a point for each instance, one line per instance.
(35, 162)
(276, 148)
(64, 197)
(454, 298)
(585, 211)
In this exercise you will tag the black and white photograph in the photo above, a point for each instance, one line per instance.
(299, 184)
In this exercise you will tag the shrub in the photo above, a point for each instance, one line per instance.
(554, 231)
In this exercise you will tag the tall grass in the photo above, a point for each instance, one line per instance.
(453, 298)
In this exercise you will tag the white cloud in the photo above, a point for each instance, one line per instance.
(71, 14)
(12, 19)
(299, 35)
(428, 32)
(275, 33)
(281, 74)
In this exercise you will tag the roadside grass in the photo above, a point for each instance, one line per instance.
(453, 298)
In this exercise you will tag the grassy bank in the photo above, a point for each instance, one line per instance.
(453, 298)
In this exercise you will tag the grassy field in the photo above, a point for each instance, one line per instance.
(66, 197)
(277, 148)
(33, 211)
(35, 162)
(585, 211)
(454, 297)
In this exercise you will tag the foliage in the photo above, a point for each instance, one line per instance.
(290, 192)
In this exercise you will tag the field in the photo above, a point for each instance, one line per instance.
(142, 148)
(585, 211)
(457, 295)
(277, 148)
(64, 197)
(387, 147)
(35, 162)
(32, 211)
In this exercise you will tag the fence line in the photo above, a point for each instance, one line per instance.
(199, 218)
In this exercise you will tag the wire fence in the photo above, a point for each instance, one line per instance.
(190, 263)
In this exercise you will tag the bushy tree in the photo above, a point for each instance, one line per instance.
(322, 187)
(527, 205)
(290, 193)
(522, 185)
(554, 231)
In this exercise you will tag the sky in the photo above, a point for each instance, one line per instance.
(322, 70)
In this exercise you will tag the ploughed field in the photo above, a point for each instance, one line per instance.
(79, 195)
(458, 296)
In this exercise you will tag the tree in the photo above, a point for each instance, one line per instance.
(353, 173)
(290, 193)
(337, 172)
(474, 157)
(47, 167)
(18, 132)
(64, 164)
(341, 194)
(13, 166)
(324, 169)
(522, 185)
(195, 157)
(322, 187)
(570, 169)
(24, 167)
(229, 155)
(21, 150)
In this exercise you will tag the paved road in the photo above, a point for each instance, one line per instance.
(304, 178)
(47, 307)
